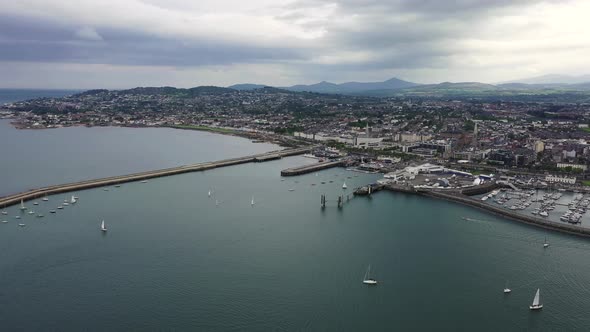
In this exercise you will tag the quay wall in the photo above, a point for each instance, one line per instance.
(458, 198)
(81, 185)
(311, 168)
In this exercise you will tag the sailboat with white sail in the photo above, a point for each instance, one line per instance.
(103, 227)
(506, 289)
(344, 186)
(22, 205)
(367, 280)
(73, 200)
(545, 244)
(537, 301)
(252, 202)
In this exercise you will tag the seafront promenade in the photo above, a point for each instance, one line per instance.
(81, 185)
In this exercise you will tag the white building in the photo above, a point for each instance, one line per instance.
(560, 179)
(578, 166)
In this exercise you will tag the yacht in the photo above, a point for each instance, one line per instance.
(45, 199)
(35, 203)
(66, 204)
(73, 200)
(4, 221)
(506, 289)
(367, 280)
(103, 227)
(537, 301)
(60, 207)
(543, 214)
(31, 212)
(22, 225)
(52, 211)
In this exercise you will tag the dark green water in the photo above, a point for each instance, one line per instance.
(173, 260)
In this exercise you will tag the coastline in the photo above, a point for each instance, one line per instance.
(532, 221)
(256, 137)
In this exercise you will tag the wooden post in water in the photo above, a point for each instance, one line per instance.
(323, 201)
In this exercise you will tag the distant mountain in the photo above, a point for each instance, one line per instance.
(353, 87)
(246, 86)
(553, 79)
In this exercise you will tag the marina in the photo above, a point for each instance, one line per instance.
(193, 256)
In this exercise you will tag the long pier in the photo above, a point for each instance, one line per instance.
(81, 185)
(311, 168)
(462, 199)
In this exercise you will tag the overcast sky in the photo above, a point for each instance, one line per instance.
(127, 43)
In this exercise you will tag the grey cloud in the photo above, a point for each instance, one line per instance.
(44, 41)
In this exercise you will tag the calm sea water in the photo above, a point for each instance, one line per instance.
(173, 259)
(35, 158)
(12, 95)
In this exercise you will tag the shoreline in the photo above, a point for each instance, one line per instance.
(256, 137)
(467, 201)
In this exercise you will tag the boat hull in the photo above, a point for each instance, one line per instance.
(536, 307)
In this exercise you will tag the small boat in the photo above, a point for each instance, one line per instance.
(60, 207)
(73, 200)
(40, 215)
(66, 204)
(252, 202)
(323, 182)
(291, 189)
(344, 186)
(545, 244)
(144, 181)
(52, 211)
(105, 189)
(22, 225)
(313, 184)
(367, 279)
(537, 301)
(35, 203)
(4, 212)
(17, 217)
(506, 289)
(31, 212)
(103, 227)
(209, 193)
(22, 205)
(117, 186)
(65, 200)
(45, 199)
(4, 221)
(543, 213)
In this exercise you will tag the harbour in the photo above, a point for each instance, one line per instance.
(192, 263)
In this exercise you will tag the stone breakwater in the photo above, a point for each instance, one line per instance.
(462, 199)
(81, 185)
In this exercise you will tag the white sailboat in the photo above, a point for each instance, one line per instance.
(209, 193)
(73, 199)
(506, 289)
(344, 186)
(22, 205)
(545, 244)
(536, 301)
(252, 202)
(45, 199)
(367, 279)
(103, 227)
(4, 212)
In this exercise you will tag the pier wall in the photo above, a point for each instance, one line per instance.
(459, 198)
(311, 168)
(81, 185)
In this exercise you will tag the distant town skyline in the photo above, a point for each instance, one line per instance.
(125, 43)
